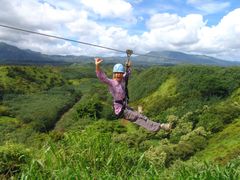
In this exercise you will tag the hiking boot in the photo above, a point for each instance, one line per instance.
(166, 126)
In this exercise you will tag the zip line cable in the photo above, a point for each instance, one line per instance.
(59, 37)
(71, 40)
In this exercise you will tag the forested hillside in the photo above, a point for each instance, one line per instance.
(57, 123)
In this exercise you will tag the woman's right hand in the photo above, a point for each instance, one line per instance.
(98, 61)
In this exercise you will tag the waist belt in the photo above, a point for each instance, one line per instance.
(123, 103)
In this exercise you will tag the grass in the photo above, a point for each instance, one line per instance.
(224, 145)
(14, 130)
(161, 99)
(7, 125)
(204, 171)
(89, 155)
(167, 88)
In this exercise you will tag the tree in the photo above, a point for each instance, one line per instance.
(90, 107)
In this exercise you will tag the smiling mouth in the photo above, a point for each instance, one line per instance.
(118, 78)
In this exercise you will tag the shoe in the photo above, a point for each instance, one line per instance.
(166, 126)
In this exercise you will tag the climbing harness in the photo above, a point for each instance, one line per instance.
(123, 103)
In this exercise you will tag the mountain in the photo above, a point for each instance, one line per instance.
(13, 55)
(173, 57)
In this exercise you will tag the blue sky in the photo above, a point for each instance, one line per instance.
(209, 27)
(212, 11)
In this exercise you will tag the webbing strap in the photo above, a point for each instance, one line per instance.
(123, 103)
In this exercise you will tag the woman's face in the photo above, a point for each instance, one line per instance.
(118, 76)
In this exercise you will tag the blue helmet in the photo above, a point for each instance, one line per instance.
(118, 68)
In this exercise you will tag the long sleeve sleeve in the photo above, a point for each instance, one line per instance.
(102, 77)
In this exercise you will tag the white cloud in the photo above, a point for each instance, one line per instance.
(165, 31)
(34, 15)
(164, 20)
(49, 19)
(110, 8)
(63, 4)
(172, 31)
(90, 31)
(54, 20)
(39, 17)
(222, 38)
(191, 34)
(209, 6)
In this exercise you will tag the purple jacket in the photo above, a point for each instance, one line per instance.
(117, 89)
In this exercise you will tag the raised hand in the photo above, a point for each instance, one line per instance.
(98, 61)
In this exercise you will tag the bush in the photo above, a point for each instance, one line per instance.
(4, 110)
(156, 156)
(90, 107)
(200, 170)
(191, 143)
(12, 158)
(217, 116)
(182, 128)
(104, 126)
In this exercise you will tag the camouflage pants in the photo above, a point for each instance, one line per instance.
(141, 120)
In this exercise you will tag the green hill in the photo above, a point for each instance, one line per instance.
(223, 146)
(57, 123)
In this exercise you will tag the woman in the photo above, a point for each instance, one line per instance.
(116, 87)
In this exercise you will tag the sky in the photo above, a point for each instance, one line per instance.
(206, 27)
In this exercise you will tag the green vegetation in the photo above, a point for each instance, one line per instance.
(13, 157)
(203, 91)
(57, 123)
(26, 79)
(41, 109)
(224, 145)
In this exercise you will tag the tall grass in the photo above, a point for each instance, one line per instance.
(93, 155)
(86, 156)
(206, 171)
